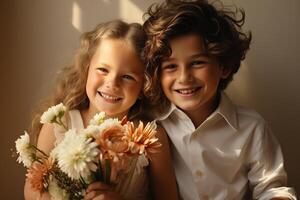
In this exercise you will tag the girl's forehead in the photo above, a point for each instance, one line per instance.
(117, 52)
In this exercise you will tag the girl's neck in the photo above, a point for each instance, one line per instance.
(86, 117)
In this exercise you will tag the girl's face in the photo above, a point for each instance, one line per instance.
(115, 78)
(189, 78)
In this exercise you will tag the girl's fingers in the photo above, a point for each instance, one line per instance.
(100, 197)
(98, 186)
(93, 195)
(90, 195)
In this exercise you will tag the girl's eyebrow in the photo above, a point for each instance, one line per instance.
(102, 64)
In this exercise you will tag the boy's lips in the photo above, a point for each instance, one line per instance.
(109, 97)
(187, 91)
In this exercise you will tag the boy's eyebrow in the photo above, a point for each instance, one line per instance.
(201, 54)
(197, 55)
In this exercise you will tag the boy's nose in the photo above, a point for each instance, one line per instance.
(184, 75)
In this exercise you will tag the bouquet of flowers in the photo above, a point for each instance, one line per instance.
(101, 152)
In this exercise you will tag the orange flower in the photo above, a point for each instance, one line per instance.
(112, 143)
(38, 174)
(142, 139)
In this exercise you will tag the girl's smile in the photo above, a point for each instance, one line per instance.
(115, 78)
(109, 98)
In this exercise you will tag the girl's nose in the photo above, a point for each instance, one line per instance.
(111, 82)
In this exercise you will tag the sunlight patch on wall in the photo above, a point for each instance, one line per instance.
(130, 12)
(76, 17)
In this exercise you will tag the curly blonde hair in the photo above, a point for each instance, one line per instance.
(71, 81)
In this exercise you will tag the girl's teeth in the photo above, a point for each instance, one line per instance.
(187, 91)
(109, 97)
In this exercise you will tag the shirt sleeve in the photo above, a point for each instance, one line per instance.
(266, 174)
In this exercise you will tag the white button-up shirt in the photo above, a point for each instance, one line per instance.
(231, 155)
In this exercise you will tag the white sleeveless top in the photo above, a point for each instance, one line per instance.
(135, 185)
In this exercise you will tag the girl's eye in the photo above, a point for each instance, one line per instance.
(128, 77)
(102, 70)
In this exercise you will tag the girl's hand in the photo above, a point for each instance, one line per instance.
(101, 191)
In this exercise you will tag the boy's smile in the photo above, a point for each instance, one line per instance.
(190, 78)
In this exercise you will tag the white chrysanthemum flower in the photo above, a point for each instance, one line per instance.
(98, 119)
(76, 155)
(56, 192)
(90, 131)
(24, 150)
(54, 112)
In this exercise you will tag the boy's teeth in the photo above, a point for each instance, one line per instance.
(187, 91)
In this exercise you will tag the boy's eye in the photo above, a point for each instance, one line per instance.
(198, 63)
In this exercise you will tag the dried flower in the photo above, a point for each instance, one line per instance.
(142, 140)
(24, 150)
(112, 143)
(38, 174)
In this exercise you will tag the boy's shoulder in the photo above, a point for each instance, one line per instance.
(249, 118)
(247, 112)
(243, 114)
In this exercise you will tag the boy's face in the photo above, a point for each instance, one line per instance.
(189, 78)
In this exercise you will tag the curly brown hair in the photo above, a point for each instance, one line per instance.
(219, 28)
(70, 86)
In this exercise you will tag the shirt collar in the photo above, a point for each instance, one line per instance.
(171, 108)
(226, 109)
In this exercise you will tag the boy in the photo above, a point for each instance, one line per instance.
(220, 150)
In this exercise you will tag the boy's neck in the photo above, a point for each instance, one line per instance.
(199, 115)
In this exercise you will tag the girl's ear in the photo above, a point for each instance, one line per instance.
(225, 72)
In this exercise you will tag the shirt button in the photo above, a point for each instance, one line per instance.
(199, 173)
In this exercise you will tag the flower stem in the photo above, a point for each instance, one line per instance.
(60, 122)
(40, 151)
(107, 172)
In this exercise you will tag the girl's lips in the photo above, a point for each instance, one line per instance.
(109, 98)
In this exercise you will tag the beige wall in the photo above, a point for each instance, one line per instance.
(269, 79)
(40, 36)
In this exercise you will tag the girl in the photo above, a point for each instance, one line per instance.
(108, 75)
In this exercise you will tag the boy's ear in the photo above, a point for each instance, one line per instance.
(225, 72)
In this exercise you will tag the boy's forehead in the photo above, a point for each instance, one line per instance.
(191, 38)
(187, 44)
